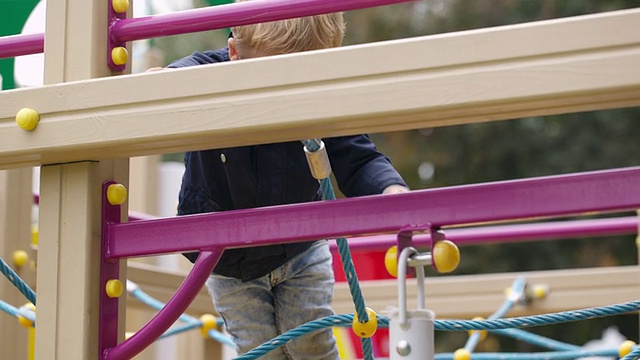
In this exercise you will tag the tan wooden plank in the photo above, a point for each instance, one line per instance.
(474, 76)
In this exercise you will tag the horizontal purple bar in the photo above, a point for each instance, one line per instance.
(552, 196)
(510, 233)
(224, 16)
(18, 45)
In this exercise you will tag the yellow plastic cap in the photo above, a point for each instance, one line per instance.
(625, 348)
(209, 322)
(365, 330)
(20, 258)
(116, 194)
(446, 256)
(391, 261)
(23, 320)
(27, 119)
(119, 55)
(120, 6)
(462, 354)
(114, 288)
(483, 333)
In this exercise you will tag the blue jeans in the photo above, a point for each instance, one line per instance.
(299, 291)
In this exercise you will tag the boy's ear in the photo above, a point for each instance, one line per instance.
(233, 51)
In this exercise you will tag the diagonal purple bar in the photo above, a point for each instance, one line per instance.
(171, 311)
(224, 16)
(18, 45)
(599, 191)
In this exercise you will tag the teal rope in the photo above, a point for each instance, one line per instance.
(554, 355)
(347, 261)
(191, 322)
(460, 325)
(538, 320)
(634, 354)
(9, 309)
(17, 282)
(517, 292)
(538, 340)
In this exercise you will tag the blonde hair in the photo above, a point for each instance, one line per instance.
(289, 36)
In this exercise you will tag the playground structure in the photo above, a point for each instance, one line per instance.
(85, 137)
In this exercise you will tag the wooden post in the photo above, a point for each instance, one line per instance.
(70, 207)
(15, 235)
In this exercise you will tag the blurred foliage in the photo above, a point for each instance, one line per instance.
(517, 148)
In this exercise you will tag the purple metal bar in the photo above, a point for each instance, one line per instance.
(573, 194)
(109, 269)
(224, 16)
(175, 307)
(18, 45)
(510, 233)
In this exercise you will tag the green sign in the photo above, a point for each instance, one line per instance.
(12, 18)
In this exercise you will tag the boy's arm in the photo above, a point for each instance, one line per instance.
(360, 169)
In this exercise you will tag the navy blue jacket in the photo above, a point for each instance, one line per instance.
(272, 174)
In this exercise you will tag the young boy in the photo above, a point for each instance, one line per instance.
(262, 292)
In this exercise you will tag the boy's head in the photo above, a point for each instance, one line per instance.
(286, 36)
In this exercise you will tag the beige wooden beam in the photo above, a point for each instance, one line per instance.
(69, 258)
(15, 235)
(71, 197)
(452, 296)
(468, 296)
(543, 68)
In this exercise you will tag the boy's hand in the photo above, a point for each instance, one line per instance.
(155, 69)
(395, 189)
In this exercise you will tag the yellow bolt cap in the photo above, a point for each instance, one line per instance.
(114, 288)
(20, 258)
(446, 256)
(391, 261)
(23, 320)
(119, 55)
(27, 119)
(208, 322)
(483, 333)
(120, 6)
(462, 354)
(625, 348)
(365, 330)
(116, 194)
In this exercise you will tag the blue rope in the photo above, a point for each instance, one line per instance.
(191, 322)
(17, 282)
(9, 309)
(460, 325)
(555, 355)
(536, 340)
(634, 354)
(517, 292)
(347, 261)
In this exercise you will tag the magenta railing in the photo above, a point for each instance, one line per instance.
(544, 197)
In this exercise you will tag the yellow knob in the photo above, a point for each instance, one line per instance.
(365, 330)
(483, 333)
(114, 288)
(27, 119)
(462, 354)
(209, 322)
(446, 256)
(540, 291)
(116, 194)
(119, 55)
(23, 320)
(391, 261)
(120, 6)
(20, 258)
(625, 348)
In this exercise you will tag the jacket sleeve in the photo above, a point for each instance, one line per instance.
(360, 169)
(202, 58)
